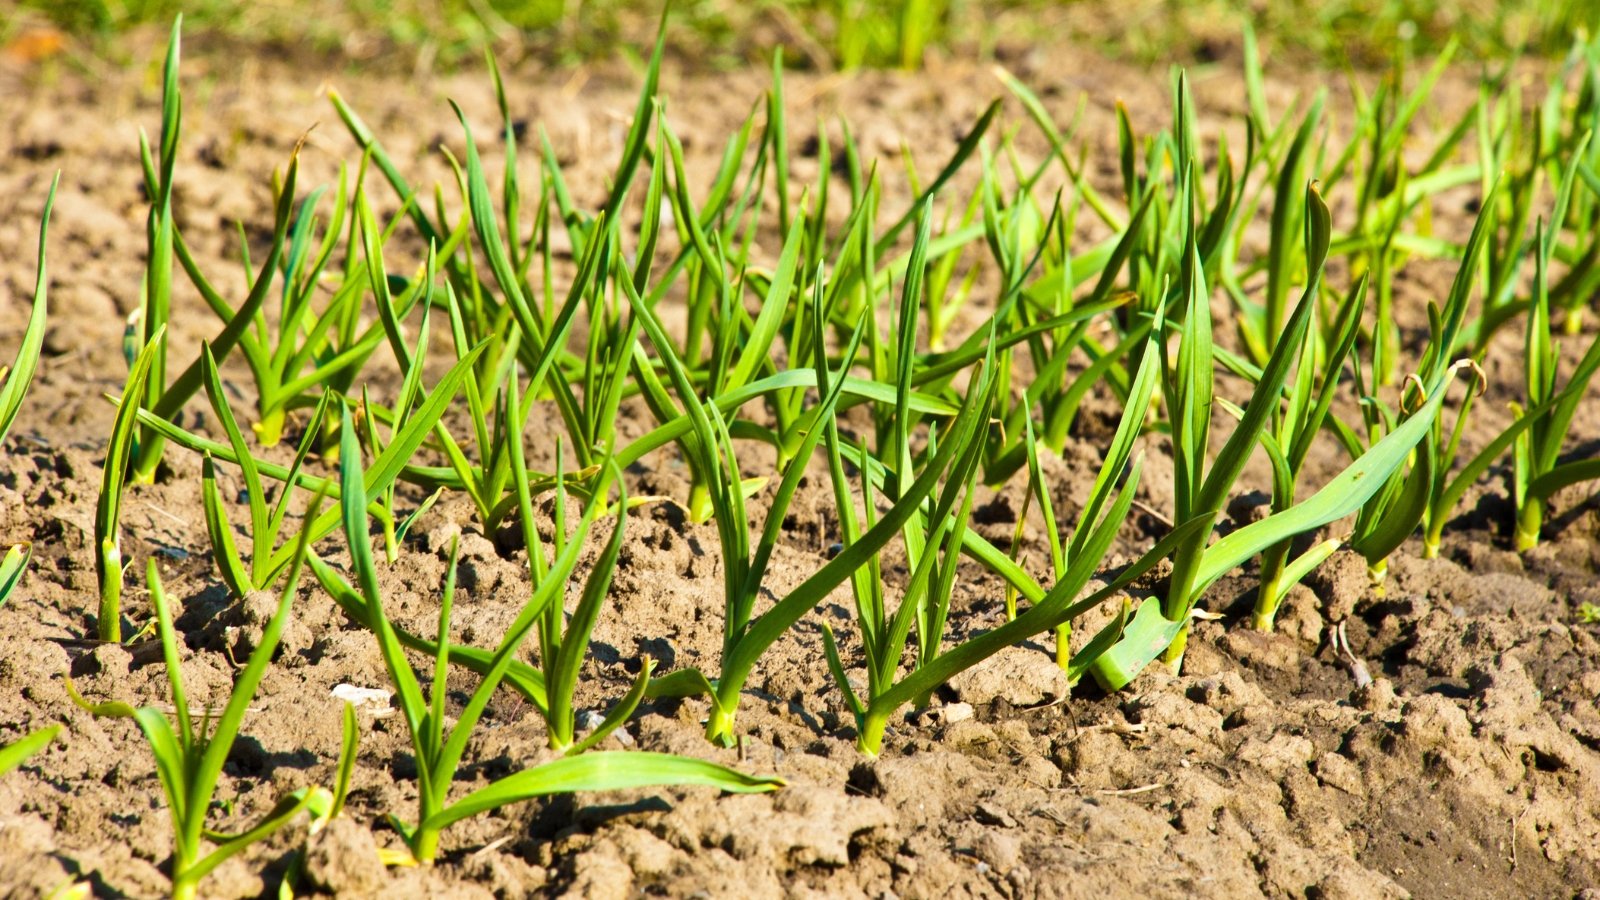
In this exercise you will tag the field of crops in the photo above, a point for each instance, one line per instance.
(1032, 473)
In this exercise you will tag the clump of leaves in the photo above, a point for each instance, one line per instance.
(439, 746)
(189, 759)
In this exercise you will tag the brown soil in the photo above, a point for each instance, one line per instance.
(1468, 768)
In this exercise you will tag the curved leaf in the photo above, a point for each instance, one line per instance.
(606, 771)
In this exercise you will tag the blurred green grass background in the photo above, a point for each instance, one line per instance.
(831, 33)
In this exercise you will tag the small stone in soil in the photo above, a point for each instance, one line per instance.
(949, 714)
(993, 814)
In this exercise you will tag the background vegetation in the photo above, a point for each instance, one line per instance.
(844, 33)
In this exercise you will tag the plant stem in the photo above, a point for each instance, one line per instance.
(870, 739)
(1269, 596)
(269, 431)
(1377, 574)
(1530, 520)
(147, 459)
(700, 509)
(1574, 322)
(110, 625)
(425, 845)
(391, 549)
(1173, 655)
(719, 726)
(185, 886)
(560, 720)
(1262, 619)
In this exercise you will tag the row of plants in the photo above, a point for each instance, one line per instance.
(921, 354)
